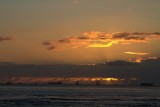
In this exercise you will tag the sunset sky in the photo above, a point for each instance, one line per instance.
(78, 31)
(106, 40)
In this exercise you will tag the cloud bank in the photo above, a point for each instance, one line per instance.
(146, 71)
(100, 39)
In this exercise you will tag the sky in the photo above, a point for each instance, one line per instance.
(102, 39)
(78, 31)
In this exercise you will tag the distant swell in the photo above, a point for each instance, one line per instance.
(71, 96)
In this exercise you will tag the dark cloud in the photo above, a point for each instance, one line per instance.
(51, 48)
(5, 38)
(63, 40)
(47, 43)
(82, 38)
(144, 33)
(135, 38)
(121, 63)
(120, 35)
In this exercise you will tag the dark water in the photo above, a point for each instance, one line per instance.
(78, 96)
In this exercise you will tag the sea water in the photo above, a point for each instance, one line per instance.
(78, 96)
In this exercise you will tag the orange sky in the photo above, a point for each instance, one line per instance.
(78, 31)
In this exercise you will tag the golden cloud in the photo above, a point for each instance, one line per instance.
(137, 53)
(100, 39)
(137, 60)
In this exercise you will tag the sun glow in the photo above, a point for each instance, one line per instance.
(110, 79)
(103, 45)
(65, 80)
(137, 60)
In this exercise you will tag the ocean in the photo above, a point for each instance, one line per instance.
(78, 96)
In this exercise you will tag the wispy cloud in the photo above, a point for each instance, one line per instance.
(101, 39)
(5, 38)
(75, 1)
(137, 53)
